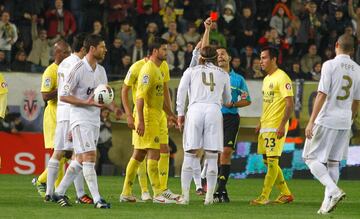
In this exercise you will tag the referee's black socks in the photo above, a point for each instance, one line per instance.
(223, 177)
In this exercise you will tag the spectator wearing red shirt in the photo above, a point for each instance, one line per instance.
(60, 21)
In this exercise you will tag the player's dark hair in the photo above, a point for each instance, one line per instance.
(156, 44)
(92, 40)
(78, 42)
(346, 43)
(224, 48)
(208, 54)
(273, 52)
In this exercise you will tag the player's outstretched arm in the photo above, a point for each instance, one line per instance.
(125, 101)
(319, 102)
(206, 36)
(182, 92)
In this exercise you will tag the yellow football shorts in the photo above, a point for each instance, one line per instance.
(269, 144)
(156, 133)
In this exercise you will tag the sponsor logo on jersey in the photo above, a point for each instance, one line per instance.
(89, 90)
(244, 95)
(30, 108)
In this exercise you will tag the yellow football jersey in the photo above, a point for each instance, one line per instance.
(48, 84)
(134, 71)
(49, 81)
(275, 88)
(150, 87)
(3, 85)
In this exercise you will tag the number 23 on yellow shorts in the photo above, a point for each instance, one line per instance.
(269, 144)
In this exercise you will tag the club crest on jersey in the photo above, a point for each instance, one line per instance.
(156, 139)
(47, 82)
(288, 86)
(145, 79)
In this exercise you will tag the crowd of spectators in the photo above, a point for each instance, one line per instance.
(304, 31)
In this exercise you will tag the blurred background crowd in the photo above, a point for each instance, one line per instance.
(304, 31)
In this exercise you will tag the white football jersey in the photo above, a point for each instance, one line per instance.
(81, 83)
(203, 84)
(63, 109)
(340, 81)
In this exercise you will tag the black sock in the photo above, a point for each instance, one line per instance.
(223, 178)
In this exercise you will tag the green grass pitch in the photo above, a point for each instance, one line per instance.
(19, 199)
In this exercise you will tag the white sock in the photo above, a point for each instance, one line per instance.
(197, 172)
(91, 180)
(79, 185)
(211, 174)
(203, 172)
(72, 171)
(334, 172)
(186, 174)
(321, 173)
(53, 169)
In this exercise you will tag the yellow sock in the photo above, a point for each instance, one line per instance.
(271, 175)
(153, 173)
(142, 176)
(281, 183)
(164, 170)
(61, 171)
(43, 177)
(131, 169)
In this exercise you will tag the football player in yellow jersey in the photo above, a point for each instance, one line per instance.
(3, 96)
(49, 94)
(277, 107)
(130, 83)
(150, 109)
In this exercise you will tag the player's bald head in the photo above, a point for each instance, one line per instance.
(61, 51)
(346, 43)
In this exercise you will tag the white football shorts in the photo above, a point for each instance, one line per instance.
(62, 142)
(327, 144)
(203, 128)
(85, 138)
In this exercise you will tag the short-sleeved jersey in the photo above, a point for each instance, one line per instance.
(276, 87)
(63, 110)
(204, 84)
(49, 81)
(340, 81)
(239, 88)
(150, 87)
(134, 71)
(3, 85)
(81, 83)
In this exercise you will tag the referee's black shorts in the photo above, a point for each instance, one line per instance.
(231, 128)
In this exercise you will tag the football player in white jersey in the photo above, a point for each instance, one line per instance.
(207, 86)
(328, 130)
(77, 90)
(63, 146)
